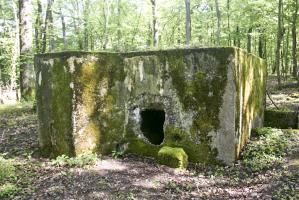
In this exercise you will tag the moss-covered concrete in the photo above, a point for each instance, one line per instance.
(173, 157)
(250, 78)
(211, 97)
(281, 119)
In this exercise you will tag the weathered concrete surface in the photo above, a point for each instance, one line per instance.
(284, 119)
(92, 102)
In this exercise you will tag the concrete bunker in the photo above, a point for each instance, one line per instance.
(152, 122)
(202, 100)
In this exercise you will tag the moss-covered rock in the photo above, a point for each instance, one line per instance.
(173, 157)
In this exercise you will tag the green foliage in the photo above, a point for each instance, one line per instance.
(7, 174)
(8, 190)
(118, 153)
(288, 188)
(13, 108)
(264, 131)
(79, 161)
(179, 186)
(268, 149)
(7, 169)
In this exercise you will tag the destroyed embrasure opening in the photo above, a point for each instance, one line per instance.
(152, 122)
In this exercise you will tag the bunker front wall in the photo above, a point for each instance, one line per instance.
(92, 102)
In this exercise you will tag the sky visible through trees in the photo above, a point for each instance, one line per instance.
(267, 28)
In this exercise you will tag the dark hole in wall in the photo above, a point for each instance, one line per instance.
(152, 122)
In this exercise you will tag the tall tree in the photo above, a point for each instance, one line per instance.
(26, 66)
(228, 22)
(118, 24)
(188, 22)
(249, 40)
(86, 20)
(294, 41)
(154, 23)
(280, 34)
(48, 28)
(38, 25)
(16, 50)
(63, 28)
(107, 13)
(218, 14)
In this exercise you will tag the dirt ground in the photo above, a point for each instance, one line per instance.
(133, 177)
(287, 97)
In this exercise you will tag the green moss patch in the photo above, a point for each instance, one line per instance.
(137, 146)
(173, 157)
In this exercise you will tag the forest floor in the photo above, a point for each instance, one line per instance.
(287, 97)
(257, 175)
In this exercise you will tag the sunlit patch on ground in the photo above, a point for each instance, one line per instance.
(129, 177)
(286, 98)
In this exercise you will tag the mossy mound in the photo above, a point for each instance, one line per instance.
(173, 157)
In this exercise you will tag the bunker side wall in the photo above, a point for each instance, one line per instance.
(251, 78)
(54, 105)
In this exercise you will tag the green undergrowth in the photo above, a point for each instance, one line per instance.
(7, 178)
(287, 187)
(268, 148)
(78, 161)
(7, 169)
(20, 107)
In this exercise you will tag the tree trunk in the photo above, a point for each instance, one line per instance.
(228, 22)
(118, 24)
(26, 66)
(278, 43)
(85, 19)
(16, 53)
(286, 54)
(48, 25)
(218, 23)
(154, 24)
(260, 47)
(63, 30)
(249, 40)
(237, 41)
(149, 35)
(106, 23)
(188, 22)
(38, 29)
(262, 44)
(294, 42)
(51, 30)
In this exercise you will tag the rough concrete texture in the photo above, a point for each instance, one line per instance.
(284, 119)
(92, 102)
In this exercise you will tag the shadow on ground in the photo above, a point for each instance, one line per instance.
(131, 177)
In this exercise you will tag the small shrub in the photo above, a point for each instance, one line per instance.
(8, 190)
(117, 153)
(79, 161)
(119, 150)
(7, 169)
